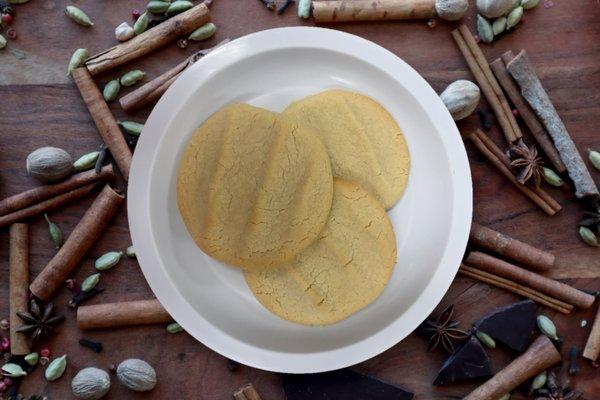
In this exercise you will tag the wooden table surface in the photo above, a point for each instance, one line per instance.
(40, 106)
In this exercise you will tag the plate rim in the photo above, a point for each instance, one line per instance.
(166, 292)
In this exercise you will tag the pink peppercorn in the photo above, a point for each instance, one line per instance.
(71, 284)
(5, 344)
(45, 352)
(7, 381)
(135, 14)
(7, 18)
(11, 33)
(3, 387)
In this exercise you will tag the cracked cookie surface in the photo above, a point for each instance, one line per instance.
(254, 188)
(364, 142)
(344, 270)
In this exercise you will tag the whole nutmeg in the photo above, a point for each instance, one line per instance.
(49, 164)
(461, 98)
(451, 10)
(495, 8)
(137, 375)
(90, 384)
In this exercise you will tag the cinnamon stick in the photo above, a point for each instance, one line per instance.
(247, 392)
(508, 247)
(476, 138)
(537, 130)
(532, 90)
(489, 143)
(18, 285)
(539, 356)
(104, 120)
(154, 38)
(487, 83)
(154, 89)
(126, 313)
(86, 233)
(372, 10)
(46, 205)
(516, 288)
(535, 281)
(41, 193)
(592, 346)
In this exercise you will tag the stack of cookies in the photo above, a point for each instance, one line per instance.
(298, 200)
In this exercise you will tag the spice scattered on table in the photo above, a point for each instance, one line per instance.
(136, 375)
(78, 16)
(443, 331)
(39, 321)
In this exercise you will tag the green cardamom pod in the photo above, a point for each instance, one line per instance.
(2, 42)
(86, 161)
(55, 233)
(484, 30)
(32, 358)
(141, 25)
(499, 26)
(529, 4)
(552, 177)
(78, 16)
(539, 381)
(77, 60)
(174, 328)
(90, 282)
(132, 77)
(486, 339)
(505, 397)
(546, 326)
(111, 90)
(56, 368)
(204, 32)
(178, 7)
(594, 157)
(13, 370)
(513, 17)
(157, 7)
(131, 128)
(108, 260)
(588, 236)
(130, 252)
(304, 7)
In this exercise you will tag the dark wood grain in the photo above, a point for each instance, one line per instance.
(562, 43)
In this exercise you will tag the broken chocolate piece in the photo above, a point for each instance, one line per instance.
(343, 384)
(512, 325)
(469, 361)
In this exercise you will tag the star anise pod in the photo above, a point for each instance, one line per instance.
(443, 330)
(527, 163)
(38, 322)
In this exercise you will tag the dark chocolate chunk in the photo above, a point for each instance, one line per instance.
(343, 384)
(469, 361)
(512, 325)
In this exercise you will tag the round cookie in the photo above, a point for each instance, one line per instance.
(345, 269)
(253, 188)
(364, 142)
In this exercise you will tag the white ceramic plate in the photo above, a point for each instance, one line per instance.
(270, 69)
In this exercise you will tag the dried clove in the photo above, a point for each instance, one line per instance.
(82, 297)
(283, 6)
(101, 158)
(91, 344)
(573, 354)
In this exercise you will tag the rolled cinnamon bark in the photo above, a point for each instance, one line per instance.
(539, 356)
(592, 346)
(532, 90)
(372, 10)
(535, 281)
(110, 315)
(508, 247)
(154, 38)
(86, 233)
(105, 122)
(41, 193)
(18, 285)
(46, 205)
